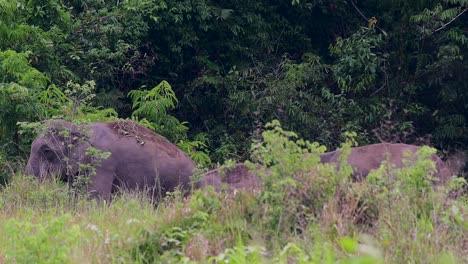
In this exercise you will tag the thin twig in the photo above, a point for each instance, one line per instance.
(453, 19)
(367, 19)
(378, 90)
(359, 11)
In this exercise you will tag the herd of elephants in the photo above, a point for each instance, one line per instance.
(138, 158)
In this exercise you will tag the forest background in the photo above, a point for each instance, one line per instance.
(209, 74)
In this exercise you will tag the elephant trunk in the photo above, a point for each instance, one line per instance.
(28, 170)
(37, 168)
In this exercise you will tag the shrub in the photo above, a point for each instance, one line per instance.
(43, 242)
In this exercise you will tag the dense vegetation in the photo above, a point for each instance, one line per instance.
(388, 70)
(209, 75)
(307, 212)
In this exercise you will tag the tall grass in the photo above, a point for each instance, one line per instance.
(306, 212)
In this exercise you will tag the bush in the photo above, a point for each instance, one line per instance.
(45, 242)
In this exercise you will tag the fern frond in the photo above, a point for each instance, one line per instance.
(153, 106)
(463, 3)
(449, 13)
(456, 35)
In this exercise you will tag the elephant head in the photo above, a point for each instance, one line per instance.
(58, 151)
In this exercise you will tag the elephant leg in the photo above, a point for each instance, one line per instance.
(101, 184)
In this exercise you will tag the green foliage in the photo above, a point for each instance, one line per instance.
(24, 191)
(315, 66)
(241, 254)
(196, 150)
(15, 66)
(394, 217)
(278, 141)
(151, 109)
(80, 108)
(359, 60)
(53, 99)
(229, 148)
(167, 243)
(153, 106)
(39, 28)
(19, 87)
(419, 210)
(74, 103)
(6, 169)
(292, 180)
(439, 28)
(294, 92)
(111, 45)
(40, 242)
(234, 66)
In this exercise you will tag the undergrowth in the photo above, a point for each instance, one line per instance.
(306, 212)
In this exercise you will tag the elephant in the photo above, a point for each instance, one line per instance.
(238, 177)
(366, 158)
(140, 159)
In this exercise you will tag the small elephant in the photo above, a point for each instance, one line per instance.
(366, 158)
(140, 159)
(239, 177)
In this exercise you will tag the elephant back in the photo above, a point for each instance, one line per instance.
(127, 129)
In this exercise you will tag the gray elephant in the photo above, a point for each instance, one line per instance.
(238, 177)
(366, 158)
(139, 158)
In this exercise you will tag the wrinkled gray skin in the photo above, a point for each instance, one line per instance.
(366, 158)
(140, 159)
(231, 179)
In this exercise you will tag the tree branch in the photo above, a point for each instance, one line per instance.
(367, 19)
(453, 19)
(359, 11)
